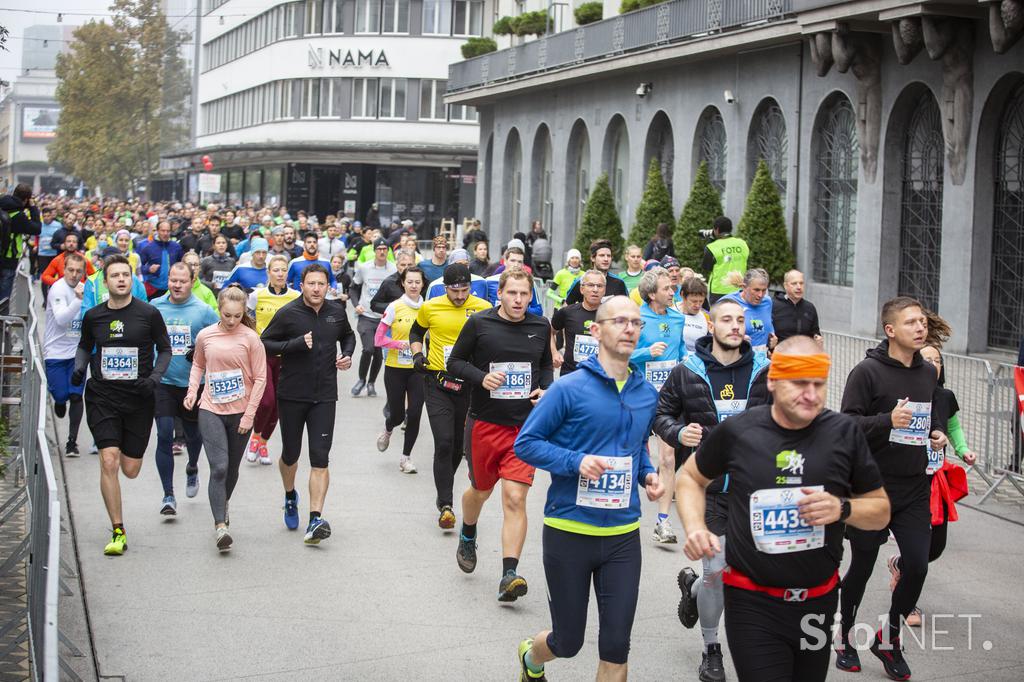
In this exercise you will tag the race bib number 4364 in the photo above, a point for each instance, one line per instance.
(119, 363)
(775, 522)
(518, 380)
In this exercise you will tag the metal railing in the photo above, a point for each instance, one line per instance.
(988, 406)
(23, 404)
(661, 24)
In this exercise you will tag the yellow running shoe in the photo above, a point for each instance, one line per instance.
(118, 543)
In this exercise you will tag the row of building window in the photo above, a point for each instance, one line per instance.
(333, 98)
(327, 17)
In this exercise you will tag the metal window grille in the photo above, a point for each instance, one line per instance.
(714, 148)
(1006, 300)
(921, 210)
(772, 144)
(835, 216)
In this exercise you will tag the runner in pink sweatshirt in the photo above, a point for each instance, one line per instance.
(234, 362)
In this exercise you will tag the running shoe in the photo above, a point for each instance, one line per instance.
(687, 610)
(191, 482)
(178, 448)
(663, 533)
(383, 441)
(511, 587)
(371, 390)
(118, 543)
(891, 656)
(254, 448)
(913, 619)
(264, 455)
(894, 571)
(317, 530)
(465, 553)
(71, 450)
(847, 658)
(446, 521)
(223, 539)
(358, 388)
(291, 512)
(712, 665)
(406, 466)
(525, 675)
(170, 506)
(94, 450)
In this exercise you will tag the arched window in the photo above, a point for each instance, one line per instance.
(712, 147)
(488, 179)
(835, 183)
(661, 146)
(514, 176)
(921, 206)
(1006, 301)
(579, 171)
(768, 141)
(543, 180)
(617, 163)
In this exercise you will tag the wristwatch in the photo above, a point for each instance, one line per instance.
(844, 509)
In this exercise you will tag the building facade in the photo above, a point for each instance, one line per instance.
(895, 136)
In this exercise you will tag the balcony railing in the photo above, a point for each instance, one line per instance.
(661, 24)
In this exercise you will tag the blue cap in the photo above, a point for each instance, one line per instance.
(258, 244)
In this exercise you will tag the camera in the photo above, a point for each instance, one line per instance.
(644, 89)
(729, 97)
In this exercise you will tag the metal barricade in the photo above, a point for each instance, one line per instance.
(23, 405)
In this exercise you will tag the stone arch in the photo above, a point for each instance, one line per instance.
(615, 159)
(835, 154)
(542, 181)
(768, 139)
(513, 183)
(660, 145)
(577, 172)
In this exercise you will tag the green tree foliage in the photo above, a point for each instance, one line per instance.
(123, 90)
(628, 6)
(655, 207)
(504, 26)
(702, 207)
(763, 227)
(588, 13)
(600, 221)
(531, 23)
(474, 47)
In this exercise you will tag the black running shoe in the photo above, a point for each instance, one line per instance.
(687, 602)
(465, 554)
(891, 656)
(847, 658)
(712, 665)
(511, 587)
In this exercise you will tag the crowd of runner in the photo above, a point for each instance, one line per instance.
(690, 384)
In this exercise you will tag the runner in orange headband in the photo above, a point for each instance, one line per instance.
(785, 366)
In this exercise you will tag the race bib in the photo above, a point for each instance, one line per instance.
(612, 491)
(220, 277)
(226, 386)
(729, 408)
(119, 363)
(761, 348)
(518, 380)
(405, 357)
(936, 458)
(920, 424)
(657, 372)
(74, 329)
(583, 347)
(181, 338)
(775, 522)
(447, 354)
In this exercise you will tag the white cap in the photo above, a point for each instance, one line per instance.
(571, 253)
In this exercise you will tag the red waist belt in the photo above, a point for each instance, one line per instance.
(734, 578)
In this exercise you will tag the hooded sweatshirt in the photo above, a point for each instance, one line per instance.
(873, 389)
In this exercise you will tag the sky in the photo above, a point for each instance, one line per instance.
(45, 13)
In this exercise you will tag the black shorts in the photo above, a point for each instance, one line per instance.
(716, 512)
(114, 427)
(170, 402)
(318, 421)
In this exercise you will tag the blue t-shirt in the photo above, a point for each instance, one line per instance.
(299, 266)
(758, 318)
(46, 236)
(431, 271)
(184, 322)
(248, 277)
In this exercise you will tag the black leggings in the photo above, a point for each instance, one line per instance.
(75, 411)
(613, 563)
(447, 415)
(939, 533)
(317, 419)
(399, 383)
(372, 357)
(777, 641)
(910, 522)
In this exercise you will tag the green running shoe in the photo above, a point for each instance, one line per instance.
(525, 675)
(118, 543)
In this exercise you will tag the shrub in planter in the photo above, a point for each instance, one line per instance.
(588, 13)
(600, 221)
(504, 26)
(763, 227)
(474, 47)
(531, 23)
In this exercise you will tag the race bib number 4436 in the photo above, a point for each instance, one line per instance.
(775, 522)
(518, 380)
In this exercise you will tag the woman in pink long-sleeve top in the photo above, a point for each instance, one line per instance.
(234, 362)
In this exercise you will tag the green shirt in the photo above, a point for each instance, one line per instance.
(731, 255)
(632, 281)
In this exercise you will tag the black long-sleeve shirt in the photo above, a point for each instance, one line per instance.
(308, 374)
(390, 290)
(794, 318)
(488, 342)
(613, 287)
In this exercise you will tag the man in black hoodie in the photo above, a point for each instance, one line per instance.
(890, 395)
(792, 314)
(20, 219)
(723, 377)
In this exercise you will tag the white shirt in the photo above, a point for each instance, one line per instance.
(330, 247)
(63, 327)
(696, 328)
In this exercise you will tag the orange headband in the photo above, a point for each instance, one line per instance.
(799, 366)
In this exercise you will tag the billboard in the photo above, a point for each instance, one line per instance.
(39, 123)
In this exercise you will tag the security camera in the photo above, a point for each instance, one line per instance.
(644, 89)
(729, 97)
